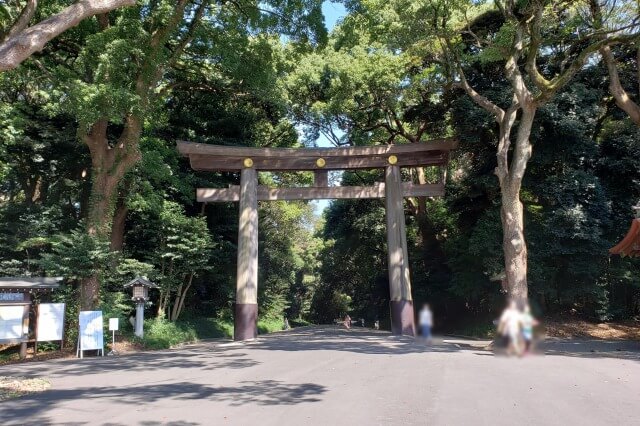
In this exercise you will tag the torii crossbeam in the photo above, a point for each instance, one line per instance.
(248, 161)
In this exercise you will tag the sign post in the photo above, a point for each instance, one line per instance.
(113, 327)
(50, 323)
(91, 335)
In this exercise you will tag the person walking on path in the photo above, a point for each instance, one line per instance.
(426, 322)
(510, 327)
(528, 322)
(347, 321)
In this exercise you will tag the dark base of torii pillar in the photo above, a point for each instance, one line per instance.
(402, 318)
(245, 321)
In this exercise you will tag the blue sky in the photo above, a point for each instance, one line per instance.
(332, 13)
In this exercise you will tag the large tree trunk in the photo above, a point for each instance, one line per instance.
(510, 175)
(514, 246)
(120, 217)
(109, 165)
(90, 293)
(117, 231)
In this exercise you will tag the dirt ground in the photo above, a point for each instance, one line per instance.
(576, 328)
(123, 347)
(13, 387)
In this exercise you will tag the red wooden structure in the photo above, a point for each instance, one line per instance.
(630, 244)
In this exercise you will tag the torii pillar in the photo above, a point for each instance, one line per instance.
(246, 309)
(401, 302)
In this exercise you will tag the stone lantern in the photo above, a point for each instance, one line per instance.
(140, 289)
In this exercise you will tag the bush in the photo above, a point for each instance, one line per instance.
(160, 333)
(270, 325)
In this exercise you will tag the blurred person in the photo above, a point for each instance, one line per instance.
(528, 322)
(426, 322)
(347, 321)
(510, 326)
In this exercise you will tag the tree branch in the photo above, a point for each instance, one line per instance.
(15, 49)
(23, 20)
(195, 21)
(615, 87)
(534, 45)
(513, 73)
(563, 79)
(482, 101)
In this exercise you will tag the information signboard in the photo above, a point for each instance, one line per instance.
(50, 325)
(113, 324)
(11, 320)
(91, 332)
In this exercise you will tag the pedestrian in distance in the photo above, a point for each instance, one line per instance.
(426, 322)
(528, 322)
(347, 321)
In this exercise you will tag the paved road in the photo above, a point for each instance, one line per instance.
(326, 376)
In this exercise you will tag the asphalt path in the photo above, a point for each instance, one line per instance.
(331, 376)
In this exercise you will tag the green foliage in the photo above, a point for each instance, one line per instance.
(270, 325)
(163, 334)
(77, 255)
(69, 295)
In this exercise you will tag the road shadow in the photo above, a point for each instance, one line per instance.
(358, 340)
(206, 356)
(262, 392)
(581, 348)
(591, 348)
(197, 357)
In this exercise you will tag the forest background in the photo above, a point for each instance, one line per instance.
(92, 187)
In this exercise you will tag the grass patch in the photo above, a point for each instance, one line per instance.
(9, 353)
(14, 387)
(163, 334)
(269, 325)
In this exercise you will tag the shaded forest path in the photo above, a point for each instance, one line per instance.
(327, 375)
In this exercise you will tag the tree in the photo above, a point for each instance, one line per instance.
(18, 40)
(183, 251)
(524, 33)
(120, 79)
(371, 85)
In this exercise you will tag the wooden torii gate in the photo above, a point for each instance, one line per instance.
(249, 161)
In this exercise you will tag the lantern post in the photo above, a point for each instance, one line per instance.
(140, 294)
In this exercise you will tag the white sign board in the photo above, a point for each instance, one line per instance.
(113, 324)
(50, 322)
(11, 322)
(91, 331)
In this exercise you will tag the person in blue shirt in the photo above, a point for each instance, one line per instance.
(426, 322)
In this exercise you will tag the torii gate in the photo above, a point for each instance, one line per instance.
(249, 161)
